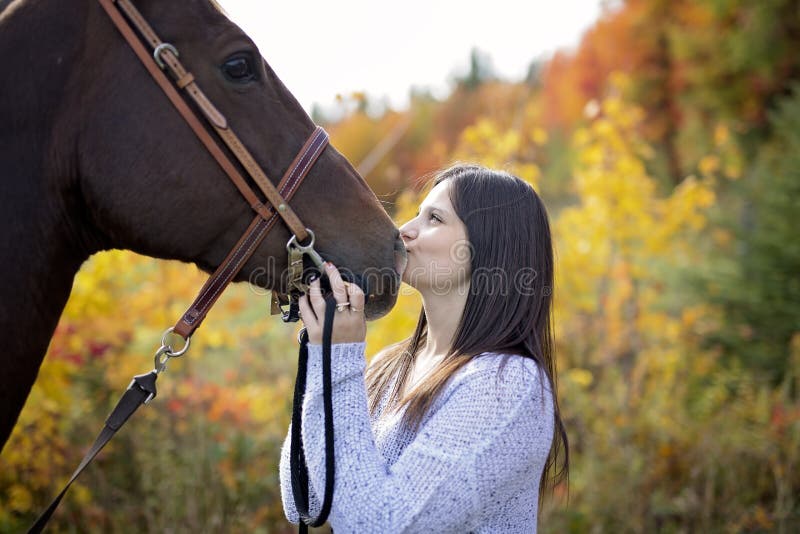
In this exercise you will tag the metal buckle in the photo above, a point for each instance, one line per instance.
(159, 49)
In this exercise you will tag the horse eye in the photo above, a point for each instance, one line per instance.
(239, 69)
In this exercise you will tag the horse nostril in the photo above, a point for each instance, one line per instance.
(399, 244)
(400, 256)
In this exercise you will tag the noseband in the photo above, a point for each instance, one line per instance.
(161, 61)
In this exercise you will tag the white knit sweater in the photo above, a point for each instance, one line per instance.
(473, 466)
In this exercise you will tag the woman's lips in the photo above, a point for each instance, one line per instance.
(400, 262)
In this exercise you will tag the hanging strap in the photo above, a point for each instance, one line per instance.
(297, 461)
(141, 390)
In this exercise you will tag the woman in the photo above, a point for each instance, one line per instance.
(456, 429)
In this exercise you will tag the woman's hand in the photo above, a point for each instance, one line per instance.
(349, 324)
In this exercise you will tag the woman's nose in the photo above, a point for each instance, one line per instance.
(407, 231)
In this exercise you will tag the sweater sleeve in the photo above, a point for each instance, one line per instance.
(337, 373)
(287, 495)
(478, 440)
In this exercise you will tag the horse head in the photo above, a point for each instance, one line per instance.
(150, 186)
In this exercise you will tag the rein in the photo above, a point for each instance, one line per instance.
(297, 460)
(162, 58)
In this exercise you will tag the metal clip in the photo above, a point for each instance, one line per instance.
(295, 270)
(165, 352)
(306, 249)
(163, 355)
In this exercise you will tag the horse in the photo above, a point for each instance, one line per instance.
(94, 157)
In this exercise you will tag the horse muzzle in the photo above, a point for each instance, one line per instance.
(380, 285)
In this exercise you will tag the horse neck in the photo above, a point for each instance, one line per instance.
(41, 210)
(35, 283)
(41, 241)
(40, 41)
(34, 287)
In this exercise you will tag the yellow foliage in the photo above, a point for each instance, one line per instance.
(581, 377)
(624, 349)
(19, 498)
(727, 157)
(608, 244)
(488, 144)
(721, 135)
(539, 136)
(709, 165)
(399, 323)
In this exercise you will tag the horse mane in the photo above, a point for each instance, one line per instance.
(216, 6)
(4, 4)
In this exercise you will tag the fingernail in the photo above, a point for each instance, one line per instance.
(329, 265)
(313, 277)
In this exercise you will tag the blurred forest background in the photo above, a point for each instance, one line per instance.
(667, 149)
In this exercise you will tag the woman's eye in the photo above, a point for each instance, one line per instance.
(431, 217)
(239, 69)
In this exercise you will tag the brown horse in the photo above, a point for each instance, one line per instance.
(94, 157)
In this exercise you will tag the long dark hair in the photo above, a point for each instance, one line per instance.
(508, 307)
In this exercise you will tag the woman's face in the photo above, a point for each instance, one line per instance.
(436, 241)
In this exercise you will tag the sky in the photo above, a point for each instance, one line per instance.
(321, 49)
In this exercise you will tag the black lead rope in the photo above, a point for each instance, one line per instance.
(297, 460)
(140, 391)
(143, 388)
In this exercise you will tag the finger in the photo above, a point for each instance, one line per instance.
(356, 296)
(337, 284)
(316, 299)
(307, 312)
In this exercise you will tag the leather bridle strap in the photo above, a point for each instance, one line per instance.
(141, 390)
(185, 80)
(248, 243)
(277, 197)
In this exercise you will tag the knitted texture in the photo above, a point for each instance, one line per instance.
(474, 465)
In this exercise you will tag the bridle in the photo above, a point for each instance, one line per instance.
(163, 59)
(162, 62)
